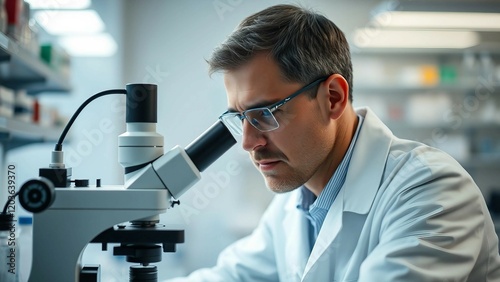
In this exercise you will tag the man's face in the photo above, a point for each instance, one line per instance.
(294, 153)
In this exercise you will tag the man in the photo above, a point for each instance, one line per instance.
(354, 202)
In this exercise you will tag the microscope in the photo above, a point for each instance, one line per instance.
(68, 217)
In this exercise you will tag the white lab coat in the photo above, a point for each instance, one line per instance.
(406, 212)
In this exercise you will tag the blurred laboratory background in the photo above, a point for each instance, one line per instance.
(429, 69)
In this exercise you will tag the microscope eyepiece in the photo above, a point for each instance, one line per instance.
(210, 145)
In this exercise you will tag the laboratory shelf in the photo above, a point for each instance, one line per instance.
(449, 99)
(15, 133)
(20, 69)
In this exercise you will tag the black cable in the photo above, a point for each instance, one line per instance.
(6, 220)
(4, 211)
(75, 115)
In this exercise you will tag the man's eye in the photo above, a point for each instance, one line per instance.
(266, 114)
(255, 122)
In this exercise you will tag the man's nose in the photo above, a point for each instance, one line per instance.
(252, 137)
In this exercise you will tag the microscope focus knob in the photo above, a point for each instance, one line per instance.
(36, 195)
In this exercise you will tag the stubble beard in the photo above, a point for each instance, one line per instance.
(285, 179)
(283, 184)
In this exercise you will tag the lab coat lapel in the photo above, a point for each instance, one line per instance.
(329, 230)
(296, 233)
(367, 164)
(357, 194)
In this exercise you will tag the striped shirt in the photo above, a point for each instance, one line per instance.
(315, 209)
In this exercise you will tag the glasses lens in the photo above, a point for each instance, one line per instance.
(233, 122)
(262, 119)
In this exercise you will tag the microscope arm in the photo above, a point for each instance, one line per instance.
(174, 171)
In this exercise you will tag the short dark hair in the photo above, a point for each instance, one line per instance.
(305, 45)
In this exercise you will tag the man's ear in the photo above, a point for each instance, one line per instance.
(335, 96)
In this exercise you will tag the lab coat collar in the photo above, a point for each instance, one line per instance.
(372, 147)
(360, 187)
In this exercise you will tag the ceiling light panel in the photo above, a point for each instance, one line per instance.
(382, 38)
(59, 4)
(444, 20)
(70, 22)
(97, 45)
